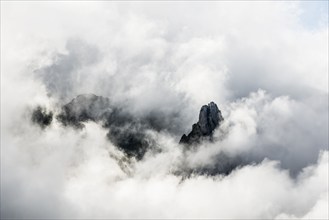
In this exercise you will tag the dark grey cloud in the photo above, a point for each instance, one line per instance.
(63, 75)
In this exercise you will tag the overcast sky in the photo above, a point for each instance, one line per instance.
(265, 64)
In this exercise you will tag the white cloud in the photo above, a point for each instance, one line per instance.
(265, 70)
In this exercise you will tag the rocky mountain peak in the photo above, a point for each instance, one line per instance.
(210, 118)
(124, 131)
(83, 108)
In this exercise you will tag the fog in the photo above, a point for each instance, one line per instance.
(160, 62)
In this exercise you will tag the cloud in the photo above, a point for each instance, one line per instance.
(160, 62)
(86, 182)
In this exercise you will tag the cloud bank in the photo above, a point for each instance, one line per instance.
(265, 69)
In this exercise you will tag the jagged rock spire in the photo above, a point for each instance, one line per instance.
(209, 119)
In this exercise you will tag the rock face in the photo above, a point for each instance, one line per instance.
(84, 108)
(41, 117)
(210, 118)
(125, 131)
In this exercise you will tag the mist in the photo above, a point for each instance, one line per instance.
(154, 65)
